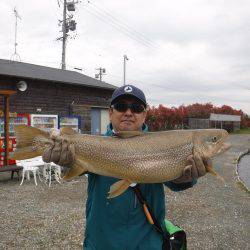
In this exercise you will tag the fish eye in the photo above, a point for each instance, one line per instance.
(212, 139)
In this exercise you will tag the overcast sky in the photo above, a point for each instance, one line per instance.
(180, 52)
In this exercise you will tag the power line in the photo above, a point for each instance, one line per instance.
(118, 27)
(131, 33)
(108, 18)
(127, 30)
(121, 24)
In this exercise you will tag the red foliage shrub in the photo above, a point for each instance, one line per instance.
(163, 118)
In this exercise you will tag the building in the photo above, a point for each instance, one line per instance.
(54, 91)
(198, 123)
(228, 122)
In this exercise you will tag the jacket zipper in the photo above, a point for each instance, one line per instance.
(135, 200)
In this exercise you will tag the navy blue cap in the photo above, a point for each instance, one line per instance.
(128, 90)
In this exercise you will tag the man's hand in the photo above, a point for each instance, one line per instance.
(60, 151)
(196, 167)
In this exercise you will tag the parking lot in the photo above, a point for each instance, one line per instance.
(214, 216)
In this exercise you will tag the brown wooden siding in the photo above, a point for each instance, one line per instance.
(56, 98)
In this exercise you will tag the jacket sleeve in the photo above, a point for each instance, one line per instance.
(180, 186)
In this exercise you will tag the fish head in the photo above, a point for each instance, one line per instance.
(211, 142)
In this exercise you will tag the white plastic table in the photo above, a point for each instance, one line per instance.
(30, 165)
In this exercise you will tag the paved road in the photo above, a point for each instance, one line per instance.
(244, 169)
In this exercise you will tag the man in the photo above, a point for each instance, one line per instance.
(120, 223)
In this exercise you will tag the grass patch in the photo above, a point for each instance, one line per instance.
(242, 131)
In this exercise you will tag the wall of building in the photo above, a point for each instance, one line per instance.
(196, 123)
(56, 98)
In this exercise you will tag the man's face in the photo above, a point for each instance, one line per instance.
(127, 120)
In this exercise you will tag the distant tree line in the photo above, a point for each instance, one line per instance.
(163, 118)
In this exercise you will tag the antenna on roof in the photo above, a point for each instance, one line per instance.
(15, 56)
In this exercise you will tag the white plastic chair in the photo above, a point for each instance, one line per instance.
(52, 169)
(57, 171)
(30, 165)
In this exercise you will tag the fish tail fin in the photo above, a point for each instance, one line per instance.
(211, 170)
(118, 188)
(30, 142)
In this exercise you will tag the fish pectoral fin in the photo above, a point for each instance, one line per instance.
(78, 168)
(128, 134)
(118, 188)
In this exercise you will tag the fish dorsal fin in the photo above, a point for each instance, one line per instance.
(128, 134)
(67, 131)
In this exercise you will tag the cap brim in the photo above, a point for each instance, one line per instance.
(130, 95)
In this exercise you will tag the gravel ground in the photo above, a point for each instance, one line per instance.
(214, 216)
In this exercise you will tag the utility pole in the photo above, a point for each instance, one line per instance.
(102, 72)
(68, 24)
(64, 37)
(125, 58)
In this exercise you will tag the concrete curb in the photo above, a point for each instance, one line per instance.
(247, 151)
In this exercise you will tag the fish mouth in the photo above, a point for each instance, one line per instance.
(221, 146)
(224, 147)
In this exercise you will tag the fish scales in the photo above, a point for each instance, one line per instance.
(123, 158)
(131, 155)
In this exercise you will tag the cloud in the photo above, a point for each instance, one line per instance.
(179, 51)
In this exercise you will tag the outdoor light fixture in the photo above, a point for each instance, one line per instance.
(22, 86)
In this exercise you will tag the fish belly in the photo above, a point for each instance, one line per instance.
(152, 167)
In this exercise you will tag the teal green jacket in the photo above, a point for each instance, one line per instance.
(120, 223)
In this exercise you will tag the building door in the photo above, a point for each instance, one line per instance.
(99, 120)
(95, 121)
(104, 120)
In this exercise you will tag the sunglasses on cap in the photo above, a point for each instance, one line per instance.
(123, 107)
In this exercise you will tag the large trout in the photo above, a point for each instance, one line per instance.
(131, 156)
